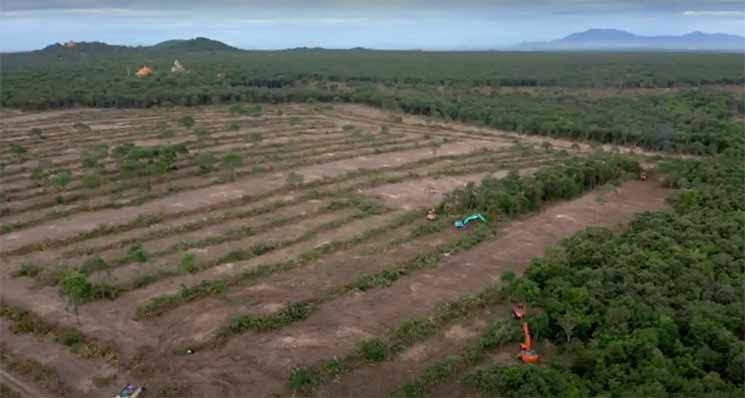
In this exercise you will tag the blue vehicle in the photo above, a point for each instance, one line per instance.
(131, 391)
(460, 224)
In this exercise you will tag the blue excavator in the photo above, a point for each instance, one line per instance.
(460, 224)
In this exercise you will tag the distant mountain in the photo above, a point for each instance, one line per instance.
(193, 45)
(613, 39)
(83, 48)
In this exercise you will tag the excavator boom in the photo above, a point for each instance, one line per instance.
(528, 342)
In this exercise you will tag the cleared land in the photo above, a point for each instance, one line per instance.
(281, 224)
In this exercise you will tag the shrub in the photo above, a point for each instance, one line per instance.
(28, 269)
(69, 338)
(18, 150)
(187, 121)
(373, 350)
(137, 253)
(76, 287)
(93, 264)
(232, 161)
(91, 181)
(206, 162)
(303, 377)
(188, 263)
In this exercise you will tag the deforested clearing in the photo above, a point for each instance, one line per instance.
(208, 253)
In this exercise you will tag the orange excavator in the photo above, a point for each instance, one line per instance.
(527, 355)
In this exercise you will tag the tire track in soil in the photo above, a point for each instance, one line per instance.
(339, 325)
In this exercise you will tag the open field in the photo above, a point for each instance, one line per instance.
(214, 251)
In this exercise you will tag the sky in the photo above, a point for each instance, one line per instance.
(384, 24)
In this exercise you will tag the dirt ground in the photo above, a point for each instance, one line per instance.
(341, 183)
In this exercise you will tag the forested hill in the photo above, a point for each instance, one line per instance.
(198, 44)
(61, 54)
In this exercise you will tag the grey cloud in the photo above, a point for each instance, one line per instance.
(680, 5)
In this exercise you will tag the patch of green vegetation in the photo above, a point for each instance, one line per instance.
(206, 162)
(231, 162)
(189, 263)
(93, 264)
(186, 121)
(373, 350)
(186, 294)
(293, 312)
(91, 181)
(302, 378)
(137, 253)
(28, 269)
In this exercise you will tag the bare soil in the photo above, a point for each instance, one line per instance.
(390, 168)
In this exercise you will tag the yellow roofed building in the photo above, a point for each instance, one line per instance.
(144, 71)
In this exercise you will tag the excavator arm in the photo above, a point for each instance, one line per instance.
(527, 355)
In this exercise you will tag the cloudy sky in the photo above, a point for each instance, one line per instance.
(394, 24)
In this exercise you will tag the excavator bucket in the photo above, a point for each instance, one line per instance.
(518, 311)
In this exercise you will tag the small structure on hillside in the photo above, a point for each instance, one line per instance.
(144, 71)
(70, 44)
(177, 67)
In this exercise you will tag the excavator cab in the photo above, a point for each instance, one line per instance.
(529, 357)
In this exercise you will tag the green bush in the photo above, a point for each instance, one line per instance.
(137, 253)
(189, 263)
(373, 350)
(301, 378)
(28, 269)
(187, 121)
(76, 287)
(206, 162)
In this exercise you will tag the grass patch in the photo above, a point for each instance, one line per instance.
(293, 312)
(28, 269)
